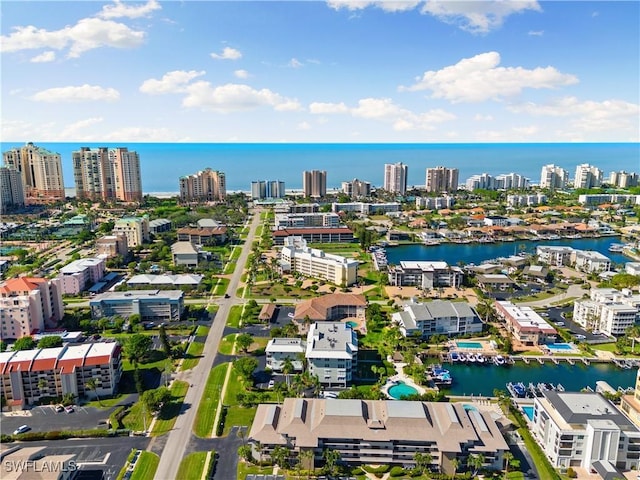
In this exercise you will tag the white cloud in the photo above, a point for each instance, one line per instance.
(82, 93)
(385, 110)
(171, 82)
(536, 33)
(388, 5)
(48, 56)
(482, 118)
(235, 97)
(241, 74)
(588, 115)
(295, 63)
(87, 34)
(303, 126)
(75, 130)
(119, 10)
(480, 78)
(477, 16)
(143, 134)
(228, 53)
(514, 134)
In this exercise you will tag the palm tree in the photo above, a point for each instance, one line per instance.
(475, 462)
(307, 458)
(423, 460)
(508, 458)
(331, 458)
(92, 384)
(455, 463)
(287, 368)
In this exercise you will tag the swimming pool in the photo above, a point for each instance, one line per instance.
(469, 408)
(353, 325)
(477, 345)
(528, 411)
(400, 390)
(562, 347)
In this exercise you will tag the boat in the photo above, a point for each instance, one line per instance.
(616, 247)
(463, 357)
(480, 359)
(471, 357)
(441, 376)
(454, 357)
(498, 360)
(517, 390)
(559, 388)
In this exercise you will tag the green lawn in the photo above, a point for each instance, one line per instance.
(234, 316)
(544, 467)
(611, 347)
(194, 352)
(227, 343)
(134, 420)
(206, 415)
(166, 419)
(106, 402)
(146, 466)
(238, 415)
(193, 465)
(221, 286)
(235, 386)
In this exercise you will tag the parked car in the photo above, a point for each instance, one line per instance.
(21, 429)
(272, 384)
(59, 408)
(69, 409)
(580, 337)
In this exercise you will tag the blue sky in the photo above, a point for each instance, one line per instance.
(336, 71)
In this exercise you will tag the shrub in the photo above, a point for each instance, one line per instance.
(571, 473)
(397, 472)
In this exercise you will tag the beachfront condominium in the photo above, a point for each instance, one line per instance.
(204, 186)
(623, 179)
(395, 178)
(11, 189)
(314, 183)
(437, 317)
(356, 189)
(41, 172)
(107, 174)
(507, 181)
(261, 189)
(441, 179)
(587, 176)
(332, 353)
(29, 305)
(553, 177)
(136, 229)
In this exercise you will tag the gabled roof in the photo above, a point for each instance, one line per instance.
(21, 284)
(317, 308)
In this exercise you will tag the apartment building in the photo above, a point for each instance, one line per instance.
(79, 275)
(314, 183)
(437, 317)
(441, 179)
(184, 254)
(525, 324)
(11, 189)
(365, 208)
(303, 220)
(331, 306)
(107, 174)
(332, 353)
(425, 275)
(553, 177)
(135, 229)
(295, 256)
(584, 429)
(203, 235)
(395, 178)
(590, 261)
(204, 186)
(587, 176)
(599, 199)
(623, 179)
(555, 256)
(314, 235)
(435, 203)
(356, 189)
(511, 181)
(29, 375)
(262, 189)
(189, 280)
(384, 432)
(630, 404)
(526, 200)
(278, 350)
(151, 305)
(159, 225)
(29, 305)
(41, 172)
(112, 245)
(608, 310)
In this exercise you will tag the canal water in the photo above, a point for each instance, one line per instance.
(482, 380)
(452, 253)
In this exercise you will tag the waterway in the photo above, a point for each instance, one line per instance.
(482, 380)
(452, 253)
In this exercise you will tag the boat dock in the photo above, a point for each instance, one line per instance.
(502, 360)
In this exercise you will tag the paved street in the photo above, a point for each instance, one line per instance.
(180, 436)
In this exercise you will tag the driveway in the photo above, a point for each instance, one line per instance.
(46, 419)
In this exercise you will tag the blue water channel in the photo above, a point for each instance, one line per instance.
(452, 253)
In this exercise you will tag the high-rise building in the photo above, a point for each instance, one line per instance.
(11, 189)
(587, 176)
(623, 179)
(314, 183)
(41, 172)
(441, 179)
(395, 178)
(553, 177)
(204, 186)
(356, 189)
(261, 189)
(28, 305)
(511, 181)
(107, 174)
(481, 182)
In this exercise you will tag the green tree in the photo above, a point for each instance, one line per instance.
(3, 345)
(155, 400)
(164, 340)
(423, 461)
(475, 462)
(455, 463)
(331, 459)
(245, 366)
(244, 341)
(508, 458)
(92, 385)
(50, 341)
(136, 347)
(24, 343)
(244, 452)
(280, 456)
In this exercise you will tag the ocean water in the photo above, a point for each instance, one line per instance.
(163, 163)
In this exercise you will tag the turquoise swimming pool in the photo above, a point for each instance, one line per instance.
(400, 390)
(353, 325)
(564, 347)
(528, 411)
(477, 345)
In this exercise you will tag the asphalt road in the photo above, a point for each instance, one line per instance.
(46, 419)
(178, 439)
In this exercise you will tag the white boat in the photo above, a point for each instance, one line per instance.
(471, 358)
(480, 358)
(462, 356)
(498, 360)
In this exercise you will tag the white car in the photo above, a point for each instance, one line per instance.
(272, 384)
(580, 337)
(21, 429)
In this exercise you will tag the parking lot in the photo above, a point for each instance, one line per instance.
(46, 419)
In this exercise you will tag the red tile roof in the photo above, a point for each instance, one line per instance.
(21, 284)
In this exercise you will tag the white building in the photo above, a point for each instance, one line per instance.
(526, 200)
(587, 176)
(435, 203)
(190, 280)
(590, 261)
(598, 199)
(632, 268)
(437, 317)
(332, 353)
(581, 429)
(395, 178)
(184, 253)
(279, 349)
(623, 179)
(367, 208)
(356, 189)
(81, 274)
(511, 181)
(151, 305)
(553, 177)
(425, 275)
(608, 310)
(302, 220)
(312, 262)
(136, 229)
(554, 255)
